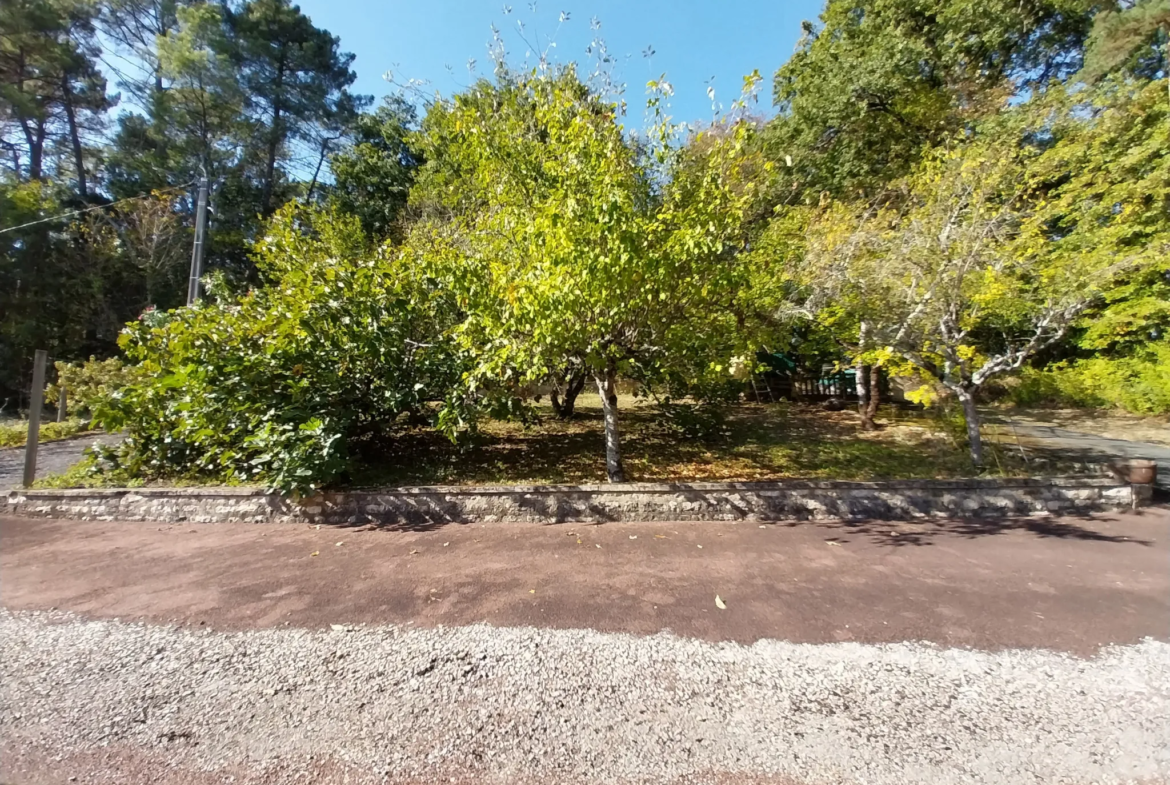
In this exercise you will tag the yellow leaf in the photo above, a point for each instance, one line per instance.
(719, 603)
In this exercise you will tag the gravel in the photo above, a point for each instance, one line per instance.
(399, 704)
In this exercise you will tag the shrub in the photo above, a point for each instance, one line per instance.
(1139, 383)
(15, 434)
(272, 387)
(89, 384)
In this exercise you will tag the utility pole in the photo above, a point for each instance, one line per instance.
(35, 400)
(197, 250)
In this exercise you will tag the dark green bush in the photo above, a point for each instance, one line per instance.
(273, 386)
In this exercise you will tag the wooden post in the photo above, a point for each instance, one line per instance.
(62, 405)
(36, 399)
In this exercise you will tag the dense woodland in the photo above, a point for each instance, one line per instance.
(971, 195)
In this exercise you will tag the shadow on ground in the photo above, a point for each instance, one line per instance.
(901, 533)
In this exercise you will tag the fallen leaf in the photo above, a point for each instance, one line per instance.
(318, 527)
(413, 552)
(578, 542)
(699, 546)
(719, 603)
(660, 536)
(315, 553)
(633, 536)
(532, 591)
(833, 542)
(762, 526)
(446, 544)
(339, 543)
(598, 546)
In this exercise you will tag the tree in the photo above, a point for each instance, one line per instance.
(372, 174)
(1134, 38)
(50, 87)
(566, 248)
(152, 235)
(295, 79)
(879, 81)
(992, 251)
(283, 384)
(134, 26)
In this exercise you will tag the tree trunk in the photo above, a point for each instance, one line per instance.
(317, 171)
(613, 450)
(971, 415)
(865, 392)
(35, 138)
(860, 370)
(74, 137)
(574, 384)
(875, 392)
(274, 139)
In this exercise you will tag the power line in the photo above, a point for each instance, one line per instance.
(96, 207)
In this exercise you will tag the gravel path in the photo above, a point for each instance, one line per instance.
(485, 704)
(52, 457)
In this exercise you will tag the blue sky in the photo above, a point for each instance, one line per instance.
(692, 41)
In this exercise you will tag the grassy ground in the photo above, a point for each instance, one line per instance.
(755, 442)
(14, 433)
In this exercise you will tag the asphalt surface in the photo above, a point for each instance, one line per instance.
(52, 457)
(1025, 651)
(1072, 584)
(1087, 447)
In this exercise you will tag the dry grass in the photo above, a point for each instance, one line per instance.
(755, 442)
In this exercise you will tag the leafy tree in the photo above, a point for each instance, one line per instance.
(992, 251)
(373, 173)
(879, 81)
(134, 26)
(566, 248)
(1134, 37)
(60, 290)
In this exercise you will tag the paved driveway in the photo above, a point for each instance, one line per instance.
(1085, 446)
(52, 457)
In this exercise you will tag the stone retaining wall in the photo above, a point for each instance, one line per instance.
(764, 501)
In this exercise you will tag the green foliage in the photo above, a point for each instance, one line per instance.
(60, 289)
(15, 433)
(51, 90)
(1138, 383)
(276, 386)
(881, 80)
(90, 385)
(372, 175)
(1132, 39)
(566, 247)
(295, 81)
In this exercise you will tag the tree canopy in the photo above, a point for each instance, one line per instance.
(949, 190)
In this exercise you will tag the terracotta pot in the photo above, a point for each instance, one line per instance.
(1136, 471)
